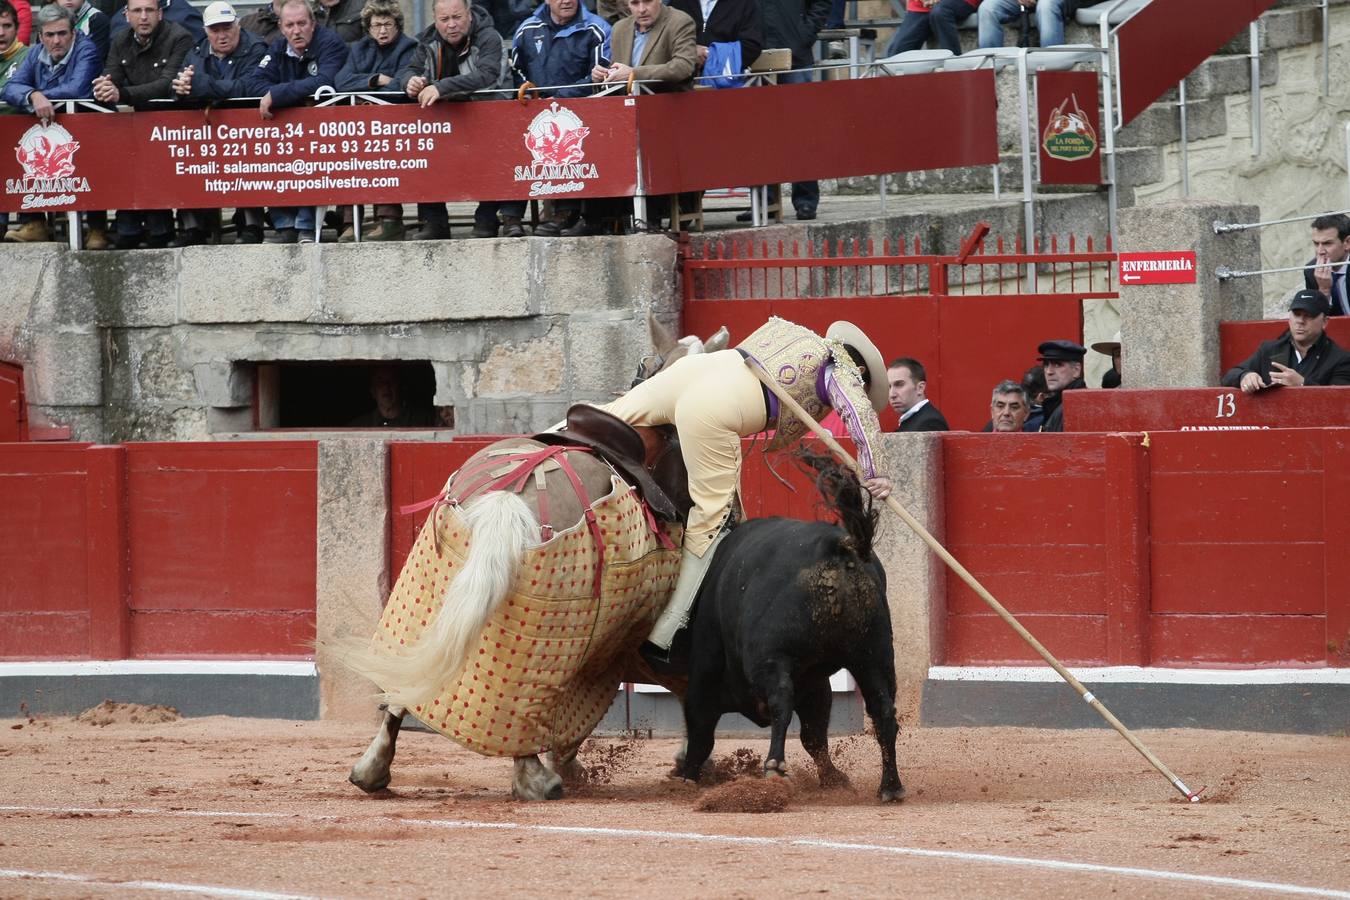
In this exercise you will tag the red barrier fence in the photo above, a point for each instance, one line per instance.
(967, 342)
(1197, 549)
(1206, 409)
(157, 550)
(587, 147)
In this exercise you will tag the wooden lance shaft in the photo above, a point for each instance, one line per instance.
(970, 580)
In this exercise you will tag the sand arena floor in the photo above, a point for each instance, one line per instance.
(146, 804)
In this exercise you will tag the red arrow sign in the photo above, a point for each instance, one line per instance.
(1166, 267)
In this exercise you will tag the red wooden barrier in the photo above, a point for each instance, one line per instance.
(967, 344)
(158, 550)
(1239, 340)
(418, 471)
(12, 413)
(1205, 409)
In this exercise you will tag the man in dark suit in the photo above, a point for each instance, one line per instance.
(730, 20)
(908, 395)
(1302, 355)
(1331, 245)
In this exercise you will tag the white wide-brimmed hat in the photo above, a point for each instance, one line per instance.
(848, 333)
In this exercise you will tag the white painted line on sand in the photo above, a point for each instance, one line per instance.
(1140, 675)
(1059, 865)
(167, 887)
(302, 668)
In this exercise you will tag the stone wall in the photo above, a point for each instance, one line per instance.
(1301, 168)
(162, 345)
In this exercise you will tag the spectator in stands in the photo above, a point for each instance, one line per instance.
(1033, 382)
(935, 19)
(12, 52)
(908, 396)
(180, 12)
(91, 21)
(1009, 407)
(1302, 355)
(23, 17)
(343, 17)
(142, 63)
(507, 16)
(1331, 244)
(1111, 348)
(1049, 16)
(215, 70)
(62, 69)
(391, 410)
(306, 58)
(460, 53)
(264, 22)
(556, 50)
(376, 61)
(1062, 362)
(794, 24)
(728, 20)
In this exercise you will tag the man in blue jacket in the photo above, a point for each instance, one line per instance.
(556, 50)
(305, 58)
(63, 68)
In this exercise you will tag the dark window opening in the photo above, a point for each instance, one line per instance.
(364, 394)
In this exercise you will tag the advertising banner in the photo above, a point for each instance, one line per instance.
(320, 156)
(1067, 122)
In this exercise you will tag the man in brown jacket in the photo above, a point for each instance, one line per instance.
(655, 43)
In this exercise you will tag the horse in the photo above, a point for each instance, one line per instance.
(476, 640)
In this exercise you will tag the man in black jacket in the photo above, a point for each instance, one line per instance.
(1327, 268)
(908, 396)
(1063, 365)
(730, 20)
(142, 63)
(794, 24)
(1302, 355)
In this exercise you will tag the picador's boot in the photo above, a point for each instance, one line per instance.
(676, 614)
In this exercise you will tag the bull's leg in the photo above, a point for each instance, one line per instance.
(532, 780)
(813, 709)
(775, 684)
(878, 692)
(702, 710)
(371, 772)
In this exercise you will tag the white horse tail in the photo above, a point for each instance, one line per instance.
(501, 527)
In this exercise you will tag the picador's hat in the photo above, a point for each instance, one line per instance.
(851, 335)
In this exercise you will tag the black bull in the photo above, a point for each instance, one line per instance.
(784, 605)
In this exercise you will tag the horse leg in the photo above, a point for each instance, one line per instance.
(532, 780)
(564, 762)
(878, 692)
(813, 709)
(371, 772)
(774, 681)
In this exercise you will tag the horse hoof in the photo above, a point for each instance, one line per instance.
(370, 787)
(775, 767)
(834, 779)
(891, 796)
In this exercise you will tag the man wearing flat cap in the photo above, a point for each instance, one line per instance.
(1063, 365)
(1302, 355)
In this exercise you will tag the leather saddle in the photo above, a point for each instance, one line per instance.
(620, 445)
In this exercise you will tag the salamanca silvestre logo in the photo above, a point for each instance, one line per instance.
(47, 154)
(554, 139)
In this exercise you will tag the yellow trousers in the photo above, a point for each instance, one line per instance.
(713, 400)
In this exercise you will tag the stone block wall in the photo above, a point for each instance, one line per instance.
(163, 345)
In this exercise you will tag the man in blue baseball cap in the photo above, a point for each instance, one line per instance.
(1302, 355)
(1063, 365)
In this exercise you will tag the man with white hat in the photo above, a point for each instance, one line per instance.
(1111, 348)
(214, 70)
(714, 400)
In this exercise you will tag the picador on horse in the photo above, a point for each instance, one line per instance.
(546, 560)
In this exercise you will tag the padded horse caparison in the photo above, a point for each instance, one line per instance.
(619, 444)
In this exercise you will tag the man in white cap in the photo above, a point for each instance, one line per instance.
(714, 400)
(214, 70)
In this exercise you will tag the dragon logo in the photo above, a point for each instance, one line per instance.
(554, 137)
(47, 152)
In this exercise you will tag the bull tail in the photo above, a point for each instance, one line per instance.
(844, 496)
(502, 526)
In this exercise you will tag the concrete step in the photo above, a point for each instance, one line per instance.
(1280, 28)
(1161, 123)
